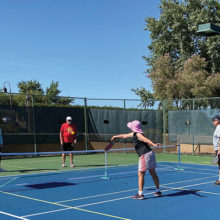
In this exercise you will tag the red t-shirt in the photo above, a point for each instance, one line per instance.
(68, 132)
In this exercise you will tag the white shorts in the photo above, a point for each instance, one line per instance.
(147, 162)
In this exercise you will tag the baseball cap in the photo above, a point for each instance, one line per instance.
(135, 126)
(216, 117)
(68, 118)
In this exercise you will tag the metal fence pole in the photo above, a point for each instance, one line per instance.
(164, 124)
(86, 123)
(34, 131)
(124, 103)
(193, 132)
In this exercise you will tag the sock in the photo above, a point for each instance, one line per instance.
(157, 190)
(140, 192)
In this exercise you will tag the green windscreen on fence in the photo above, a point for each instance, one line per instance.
(191, 126)
(103, 123)
(37, 127)
(20, 125)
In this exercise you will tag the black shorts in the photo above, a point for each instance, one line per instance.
(216, 152)
(67, 147)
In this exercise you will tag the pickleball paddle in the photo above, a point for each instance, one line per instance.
(109, 146)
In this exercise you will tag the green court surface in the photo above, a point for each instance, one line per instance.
(42, 164)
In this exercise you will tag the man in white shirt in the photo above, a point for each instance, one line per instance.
(216, 142)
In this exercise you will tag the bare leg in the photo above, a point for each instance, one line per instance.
(155, 178)
(63, 158)
(219, 173)
(71, 158)
(141, 180)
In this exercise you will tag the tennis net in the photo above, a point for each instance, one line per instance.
(46, 162)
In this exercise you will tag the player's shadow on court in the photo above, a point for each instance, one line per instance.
(50, 185)
(180, 192)
(30, 170)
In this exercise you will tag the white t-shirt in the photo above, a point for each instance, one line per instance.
(216, 137)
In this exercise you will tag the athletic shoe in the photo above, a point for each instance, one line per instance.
(63, 165)
(158, 194)
(72, 165)
(217, 182)
(137, 196)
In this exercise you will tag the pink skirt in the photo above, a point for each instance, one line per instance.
(147, 162)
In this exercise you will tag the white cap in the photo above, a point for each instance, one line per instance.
(68, 118)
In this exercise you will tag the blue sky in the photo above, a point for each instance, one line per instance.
(94, 48)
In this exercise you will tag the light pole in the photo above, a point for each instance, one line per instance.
(5, 91)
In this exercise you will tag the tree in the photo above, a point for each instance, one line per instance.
(32, 87)
(193, 81)
(53, 97)
(52, 92)
(147, 99)
(27, 89)
(174, 46)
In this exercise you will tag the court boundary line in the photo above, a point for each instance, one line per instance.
(42, 213)
(9, 181)
(85, 210)
(11, 215)
(87, 197)
(112, 174)
(97, 168)
(201, 191)
(112, 200)
(61, 205)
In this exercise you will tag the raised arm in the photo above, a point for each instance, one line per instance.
(144, 139)
(122, 136)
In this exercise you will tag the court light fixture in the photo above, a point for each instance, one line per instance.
(208, 29)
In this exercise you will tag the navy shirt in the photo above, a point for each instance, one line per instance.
(140, 146)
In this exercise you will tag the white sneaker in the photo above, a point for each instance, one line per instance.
(72, 165)
(63, 165)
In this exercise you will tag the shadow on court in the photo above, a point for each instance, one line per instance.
(49, 185)
(178, 193)
(29, 170)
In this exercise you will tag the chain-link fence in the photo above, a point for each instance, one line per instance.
(32, 123)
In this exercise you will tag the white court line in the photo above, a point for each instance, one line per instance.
(164, 185)
(112, 200)
(42, 213)
(196, 191)
(111, 174)
(21, 184)
(190, 167)
(118, 192)
(15, 216)
(8, 182)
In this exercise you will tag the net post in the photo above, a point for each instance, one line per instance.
(106, 167)
(179, 159)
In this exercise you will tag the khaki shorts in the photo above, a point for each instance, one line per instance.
(147, 162)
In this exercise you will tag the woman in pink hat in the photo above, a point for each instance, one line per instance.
(147, 160)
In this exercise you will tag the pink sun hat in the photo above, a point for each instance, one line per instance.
(135, 126)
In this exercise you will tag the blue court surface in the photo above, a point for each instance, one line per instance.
(84, 194)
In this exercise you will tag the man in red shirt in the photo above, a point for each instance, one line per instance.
(68, 134)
